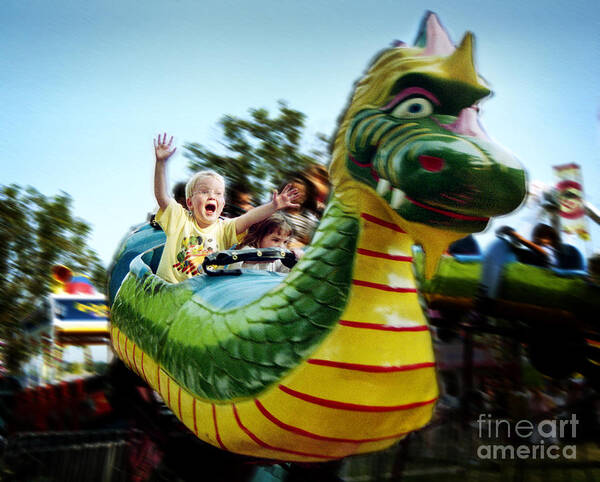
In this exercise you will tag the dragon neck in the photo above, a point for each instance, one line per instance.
(386, 232)
(382, 304)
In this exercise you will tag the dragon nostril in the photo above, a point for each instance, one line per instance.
(431, 163)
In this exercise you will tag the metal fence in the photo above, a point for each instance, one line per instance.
(447, 450)
(91, 456)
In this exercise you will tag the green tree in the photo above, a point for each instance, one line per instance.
(36, 232)
(261, 152)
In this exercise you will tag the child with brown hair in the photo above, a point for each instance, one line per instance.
(273, 232)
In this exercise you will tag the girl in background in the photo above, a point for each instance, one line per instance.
(273, 232)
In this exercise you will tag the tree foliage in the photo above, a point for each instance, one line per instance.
(260, 152)
(36, 232)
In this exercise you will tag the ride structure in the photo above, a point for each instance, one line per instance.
(73, 314)
(335, 358)
(509, 290)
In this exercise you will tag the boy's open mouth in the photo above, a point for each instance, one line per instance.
(210, 208)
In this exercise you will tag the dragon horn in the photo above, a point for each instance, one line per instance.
(437, 40)
(461, 64)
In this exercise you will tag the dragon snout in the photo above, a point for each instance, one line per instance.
(454, 183)
(434, 173)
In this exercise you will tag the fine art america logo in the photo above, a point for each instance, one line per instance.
(541, 440)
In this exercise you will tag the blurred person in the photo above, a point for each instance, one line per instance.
(593, 268)
(302, 216)
(317, 174)
(546, 238)
(239, 201)
(544, 245)
(540, 404)
(179, 193)
(487, 399)
(541, 408)
(449, 400)
(584, 402)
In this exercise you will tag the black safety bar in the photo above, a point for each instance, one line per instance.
(223, 258)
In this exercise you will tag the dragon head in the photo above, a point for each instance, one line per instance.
(411, 134)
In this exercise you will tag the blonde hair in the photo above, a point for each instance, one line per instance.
(191, 184)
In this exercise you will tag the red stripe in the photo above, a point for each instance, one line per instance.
(352, 406)
(123, 356)
(119, 346)
(374, 174)
(271, 447)
(359, 164)
(137, 370)
(127, 354)
(381, 222)
(115, 343)
(380, 326)
(144, 371)
(194, 414)
(370, 368)
(298, 431)
(179, 402)
(219, 441)
(169, 391)
(449, 214)
(377, 254)
(378, 286)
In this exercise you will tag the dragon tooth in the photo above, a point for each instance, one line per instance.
(383, 186)
(397, 198)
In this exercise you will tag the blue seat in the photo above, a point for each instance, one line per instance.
(569, 257)
(466, 245)
(138, 240)
(498, 254)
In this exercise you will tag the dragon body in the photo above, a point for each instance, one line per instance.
(336, 358)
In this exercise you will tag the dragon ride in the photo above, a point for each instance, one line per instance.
(552, 310)
(335, 358)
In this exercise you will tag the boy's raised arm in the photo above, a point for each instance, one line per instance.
(284, 199)
(162, 152)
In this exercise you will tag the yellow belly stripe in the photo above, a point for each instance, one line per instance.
(343, 423)
(376, 347)
(393, 309)
(258, 420)
(332, 383)
(249, 434)
(391, 272)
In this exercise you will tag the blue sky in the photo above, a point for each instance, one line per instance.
(85, 86)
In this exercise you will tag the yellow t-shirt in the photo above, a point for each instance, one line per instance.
(188, 244)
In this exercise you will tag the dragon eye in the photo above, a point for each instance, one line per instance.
(413, 108)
